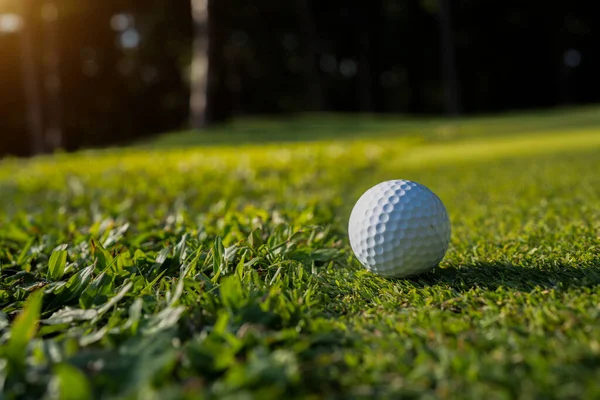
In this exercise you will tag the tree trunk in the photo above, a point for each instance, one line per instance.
(448, 63)
(312, 75)
(30, 81)
(200, 65)
(54, 134)
(364, 74)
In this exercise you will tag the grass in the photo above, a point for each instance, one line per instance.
(253, 130)
(224, 271)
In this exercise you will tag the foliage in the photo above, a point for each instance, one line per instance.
(378, 56)
(226, 271)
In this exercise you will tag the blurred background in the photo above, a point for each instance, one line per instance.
(88, 73)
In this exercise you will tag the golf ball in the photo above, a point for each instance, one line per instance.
(399, 228)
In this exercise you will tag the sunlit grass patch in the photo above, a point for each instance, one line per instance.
(226, 270)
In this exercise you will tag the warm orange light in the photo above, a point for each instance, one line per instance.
(8, 6)
(10, 23)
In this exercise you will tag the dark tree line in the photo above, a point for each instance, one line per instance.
(110, 72)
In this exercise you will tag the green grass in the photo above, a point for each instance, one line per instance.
(224, 271)
(305, 128)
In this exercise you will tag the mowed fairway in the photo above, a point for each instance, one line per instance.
(162, 272)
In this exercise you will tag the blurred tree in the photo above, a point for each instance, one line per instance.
(208, 98)
(30, 77)
(312, 75)
(421, 58)
(52, 78)
(200, 64)
(452, 102)
(368, 20)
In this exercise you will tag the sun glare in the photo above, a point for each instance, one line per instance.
(10, 23)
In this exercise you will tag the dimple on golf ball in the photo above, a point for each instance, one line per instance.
(399, 228)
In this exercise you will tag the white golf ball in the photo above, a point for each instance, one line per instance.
(399, 228)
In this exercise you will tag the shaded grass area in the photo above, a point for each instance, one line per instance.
(303, 128)
(226, 271)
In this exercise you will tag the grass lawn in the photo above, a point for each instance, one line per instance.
(187, 268)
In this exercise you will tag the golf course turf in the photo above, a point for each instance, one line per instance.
(184, 268)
